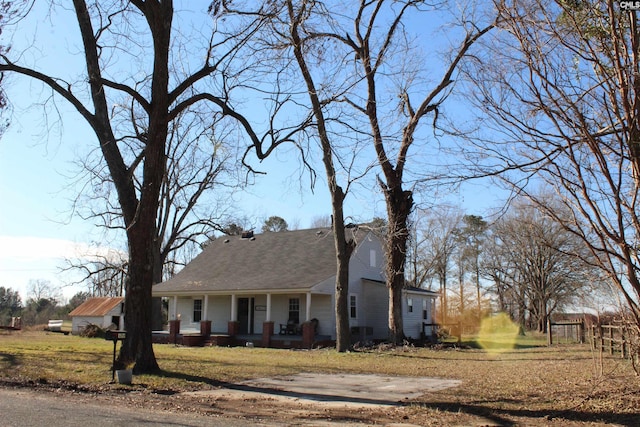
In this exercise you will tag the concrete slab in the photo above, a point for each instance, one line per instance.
(361, 390)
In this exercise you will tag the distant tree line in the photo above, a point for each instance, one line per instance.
(43, 303)
(524, 263)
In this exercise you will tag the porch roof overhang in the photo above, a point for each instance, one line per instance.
(410, 290)
(201, 292)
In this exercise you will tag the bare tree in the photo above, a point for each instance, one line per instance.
(559, 86)
(10, 11)
(297, 42)
(539, 262)
(319, 221)
(376, 45)
(131, 112)
(42, 289)
(201, 171)
(470, 238)
(105, 277)
(433, 248)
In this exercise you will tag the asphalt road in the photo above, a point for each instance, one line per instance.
(20, 407)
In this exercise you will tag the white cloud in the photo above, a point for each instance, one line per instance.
(25, 258)
(34, 248)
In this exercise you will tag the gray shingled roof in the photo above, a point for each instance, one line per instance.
(283, 260)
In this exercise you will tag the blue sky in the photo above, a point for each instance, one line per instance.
(37, 185)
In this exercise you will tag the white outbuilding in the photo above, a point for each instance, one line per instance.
(105, 312)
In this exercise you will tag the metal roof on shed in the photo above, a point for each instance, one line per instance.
(99, 306)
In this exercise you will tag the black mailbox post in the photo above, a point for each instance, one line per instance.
(114, 336)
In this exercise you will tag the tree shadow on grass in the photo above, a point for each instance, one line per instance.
(515, 417)
(8, 359)
(475, 344)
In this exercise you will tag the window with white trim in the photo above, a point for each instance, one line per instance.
(410, 305)
(353, 307)
(294, 310)
(197, 310)
(425, 313)
(372, 258)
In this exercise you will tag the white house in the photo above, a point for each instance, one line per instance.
(103, 311)
(273, 283)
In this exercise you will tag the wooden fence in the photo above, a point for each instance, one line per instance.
(572, 331)
(615, 339)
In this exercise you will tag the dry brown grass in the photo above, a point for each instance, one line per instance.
(530, 385)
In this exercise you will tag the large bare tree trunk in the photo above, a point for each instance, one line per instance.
(399, 204)
(142, 228)
(344, 247)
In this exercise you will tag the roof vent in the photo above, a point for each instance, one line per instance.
(247, 234)
(319, 233)
(226, 240)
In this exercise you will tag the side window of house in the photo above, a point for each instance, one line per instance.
(197, 310)
(410, 305)
(372, 258)
(294, 310)
(425, 313)
(353, 307)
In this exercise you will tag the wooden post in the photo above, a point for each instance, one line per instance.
(623, 344)
(611, 340)
(601, 334)
(549, 332)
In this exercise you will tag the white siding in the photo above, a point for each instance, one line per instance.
(322, 309)
(413, 321)
(372, 300)
(78, 323)
(219, 312)
(360, 265)
(259, 317)
(374, 308)
(185, 310)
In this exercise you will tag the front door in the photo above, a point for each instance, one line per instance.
(245, 315)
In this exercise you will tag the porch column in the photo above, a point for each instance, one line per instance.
(268, 318)
(233, 326)
(308, 308)
(267, 331)
(234, 308)
(205, 306)
(174, 316)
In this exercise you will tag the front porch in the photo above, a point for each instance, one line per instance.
(306, 339)
(284, 320)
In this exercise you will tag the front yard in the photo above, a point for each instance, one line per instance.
(529, 385)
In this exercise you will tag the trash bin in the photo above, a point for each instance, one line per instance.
(124, 376)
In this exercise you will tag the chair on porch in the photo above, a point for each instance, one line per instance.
(291, 328)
